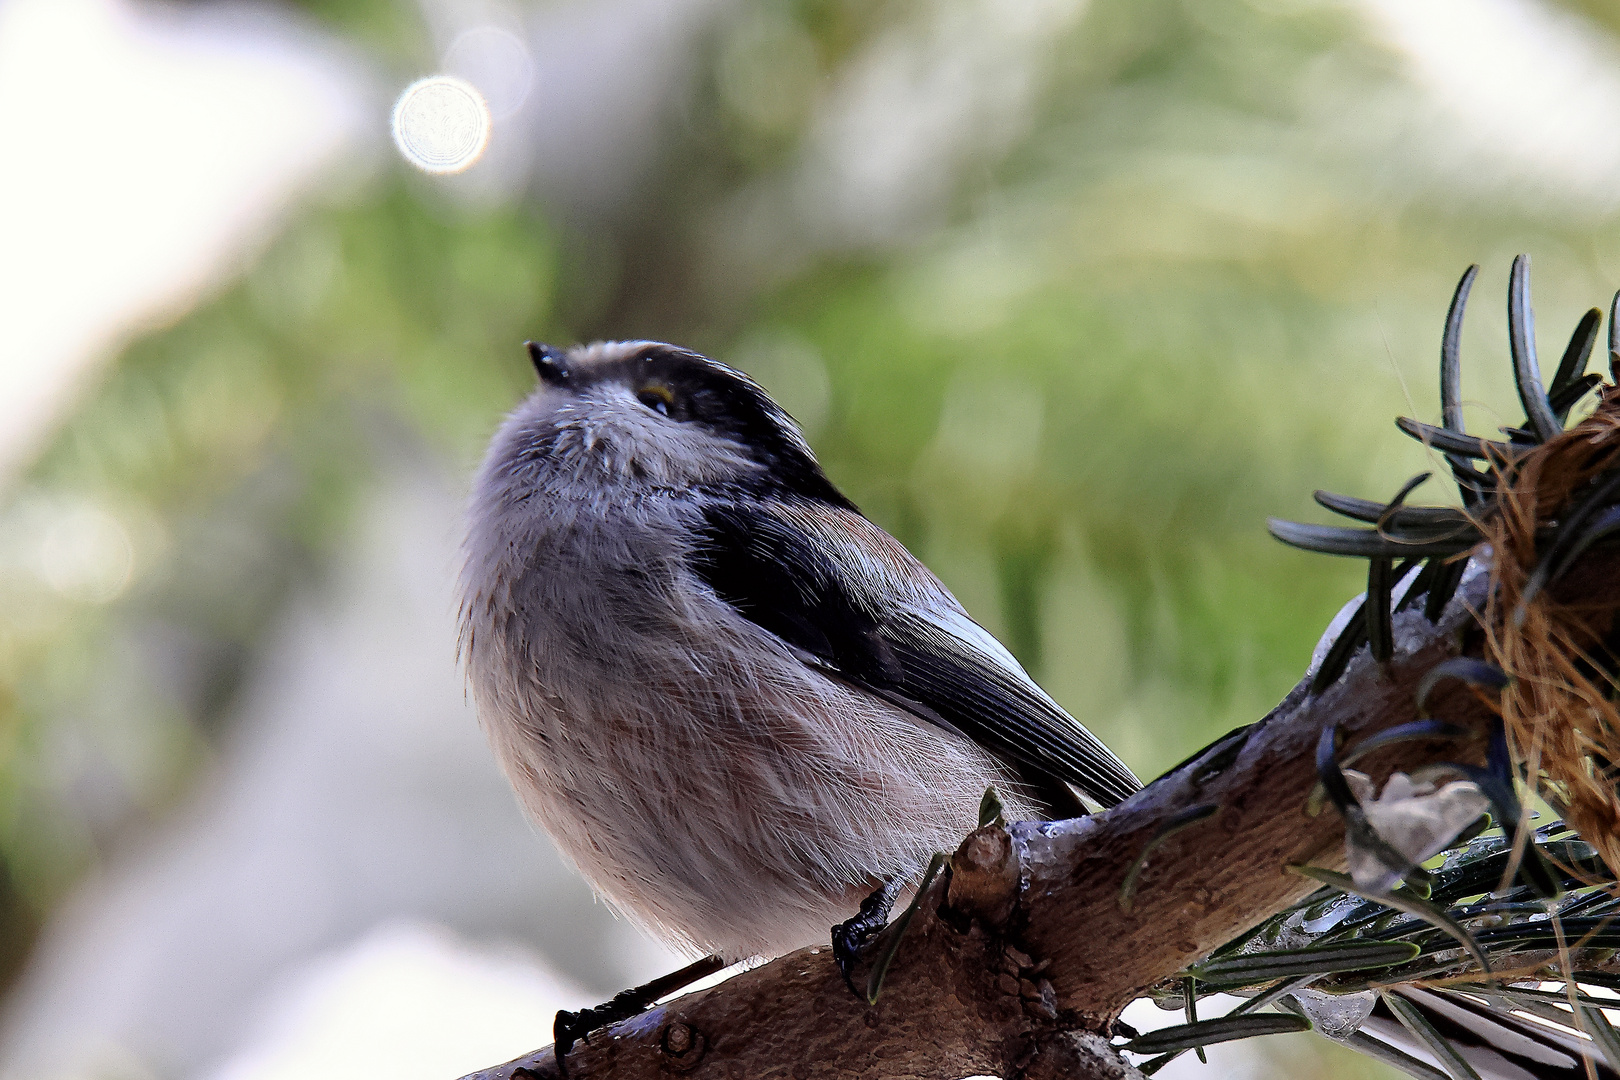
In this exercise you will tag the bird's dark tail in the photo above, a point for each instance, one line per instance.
(1488, 1035)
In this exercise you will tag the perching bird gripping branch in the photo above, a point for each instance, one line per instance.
(1021, 955)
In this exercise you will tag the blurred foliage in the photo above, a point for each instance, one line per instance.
(1191, 271)
(214, 468)
(1604, 12)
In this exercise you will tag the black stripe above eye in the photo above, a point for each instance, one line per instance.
(731, 404)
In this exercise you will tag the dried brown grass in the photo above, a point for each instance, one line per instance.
(1560, 720)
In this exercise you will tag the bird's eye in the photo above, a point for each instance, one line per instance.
(656, 398)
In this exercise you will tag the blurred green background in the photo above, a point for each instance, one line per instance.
(1068, 296)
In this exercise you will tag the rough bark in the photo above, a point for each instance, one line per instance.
(1021, 957)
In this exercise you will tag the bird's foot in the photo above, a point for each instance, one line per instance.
(852, 935)
(574, 1026)
(867, 928)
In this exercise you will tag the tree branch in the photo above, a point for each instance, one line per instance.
(1020, 958)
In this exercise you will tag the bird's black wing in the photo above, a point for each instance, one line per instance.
(930, 659)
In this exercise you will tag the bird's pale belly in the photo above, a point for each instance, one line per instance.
(748, 816)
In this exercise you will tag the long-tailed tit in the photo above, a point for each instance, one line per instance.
(736, 704)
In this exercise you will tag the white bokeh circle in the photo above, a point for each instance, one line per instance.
(441, 124)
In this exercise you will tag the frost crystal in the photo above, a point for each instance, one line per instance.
(1337, 1016)
(1416, 818)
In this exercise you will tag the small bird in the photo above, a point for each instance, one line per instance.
(736, 704)
(739, 707)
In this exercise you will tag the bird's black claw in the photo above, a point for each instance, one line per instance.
(570, 1027)
(566, 1030)
(851, 936)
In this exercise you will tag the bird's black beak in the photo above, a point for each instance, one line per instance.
(548, 363)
